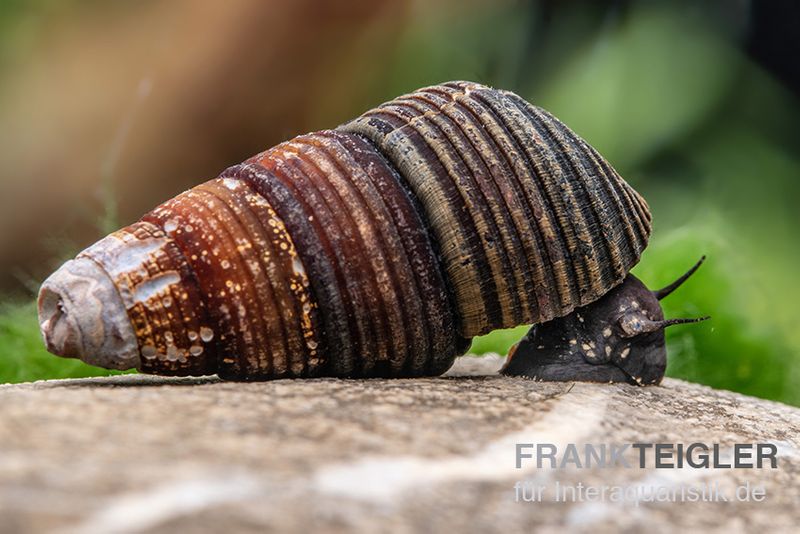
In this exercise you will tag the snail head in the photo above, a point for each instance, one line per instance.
(618, 338)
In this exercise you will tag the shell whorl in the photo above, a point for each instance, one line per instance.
(531, 221)
(376, 249)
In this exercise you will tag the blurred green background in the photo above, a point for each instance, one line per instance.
(108, 108)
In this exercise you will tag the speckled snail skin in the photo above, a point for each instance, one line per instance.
(379, 248)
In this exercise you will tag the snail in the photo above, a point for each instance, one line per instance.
(379, 248)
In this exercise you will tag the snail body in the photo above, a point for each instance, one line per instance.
(617, 338)
(376, 249)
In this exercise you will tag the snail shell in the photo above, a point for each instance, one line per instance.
(376, 249)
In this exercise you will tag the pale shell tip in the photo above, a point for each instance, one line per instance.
(81, 315)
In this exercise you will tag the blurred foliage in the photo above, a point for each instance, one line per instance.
(666, 93)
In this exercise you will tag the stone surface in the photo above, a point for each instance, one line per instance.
(139, 454)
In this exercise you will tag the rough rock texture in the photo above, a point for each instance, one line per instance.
(136, 453)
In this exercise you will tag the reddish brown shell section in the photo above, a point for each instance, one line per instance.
(530, 220)
(309, 259)
(261, 313)
(371, 263)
